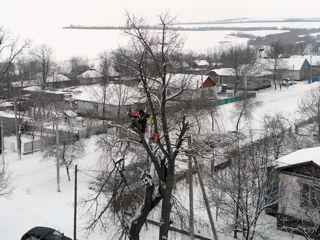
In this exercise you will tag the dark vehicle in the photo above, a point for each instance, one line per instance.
(44, 233)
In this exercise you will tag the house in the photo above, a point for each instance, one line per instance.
(187, 86)
(91, 76)
(109, 102)
(183, 65)
(314, 60)
(315, 66)
(59, 80)
(295, 68)
(36, 93)
(299, 192)
(298, 68)
(27, 83)
(255, 79)
(204, 64)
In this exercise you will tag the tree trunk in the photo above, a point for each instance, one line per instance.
(166, 204)
(68, 174)
(141, 218)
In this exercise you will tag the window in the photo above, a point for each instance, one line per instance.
(310, 196)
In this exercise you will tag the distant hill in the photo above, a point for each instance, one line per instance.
(181, 26)
(248, 20)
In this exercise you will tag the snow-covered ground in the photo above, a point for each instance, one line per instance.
(35, 201)
(67, 43)
(269, 102)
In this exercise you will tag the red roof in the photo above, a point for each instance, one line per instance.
(208, 83)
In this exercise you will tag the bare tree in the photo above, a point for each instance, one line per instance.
(105, 69)
(309, 107)
(5, 186)
(70, 149)
(10, 49)
(243, 110)
(44, 55)
(237, 57)
(241, 188)
(153, 51)
(78, 65)
(275, 51)
(27, 67)
(277, 129)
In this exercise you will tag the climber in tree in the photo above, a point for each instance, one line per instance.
(139, 120)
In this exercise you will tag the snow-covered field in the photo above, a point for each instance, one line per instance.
(34, 200)
(67, 43)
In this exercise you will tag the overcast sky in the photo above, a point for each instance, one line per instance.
(37, 13)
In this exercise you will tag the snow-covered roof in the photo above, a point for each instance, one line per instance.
(257, 70)
(25, 83)
(201, 63)
(58, 78)
(313, 59)
(224, 71)
(70, 113)
(186, 81)
(293, 63)
(40, 89)
(6, 104)
(300, 156)
(33, 88)
(115, 93)
(92, 73)
(182, 64)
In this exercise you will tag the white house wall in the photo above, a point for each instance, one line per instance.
(289, 201)
(293, 75)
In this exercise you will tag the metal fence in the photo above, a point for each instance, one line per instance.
(38, 144)
(235, 99)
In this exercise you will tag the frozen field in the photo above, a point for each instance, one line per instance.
(67, 43)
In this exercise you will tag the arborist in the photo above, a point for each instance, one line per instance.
(139, 120)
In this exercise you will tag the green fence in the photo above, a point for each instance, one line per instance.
(235, 99)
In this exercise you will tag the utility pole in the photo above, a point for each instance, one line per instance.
(245, 85)
(205, 198)
(2, 141)
(191, 219)
(17, 130)
(150, 145)
(310, 66)
(75, 203)
(57, 154)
